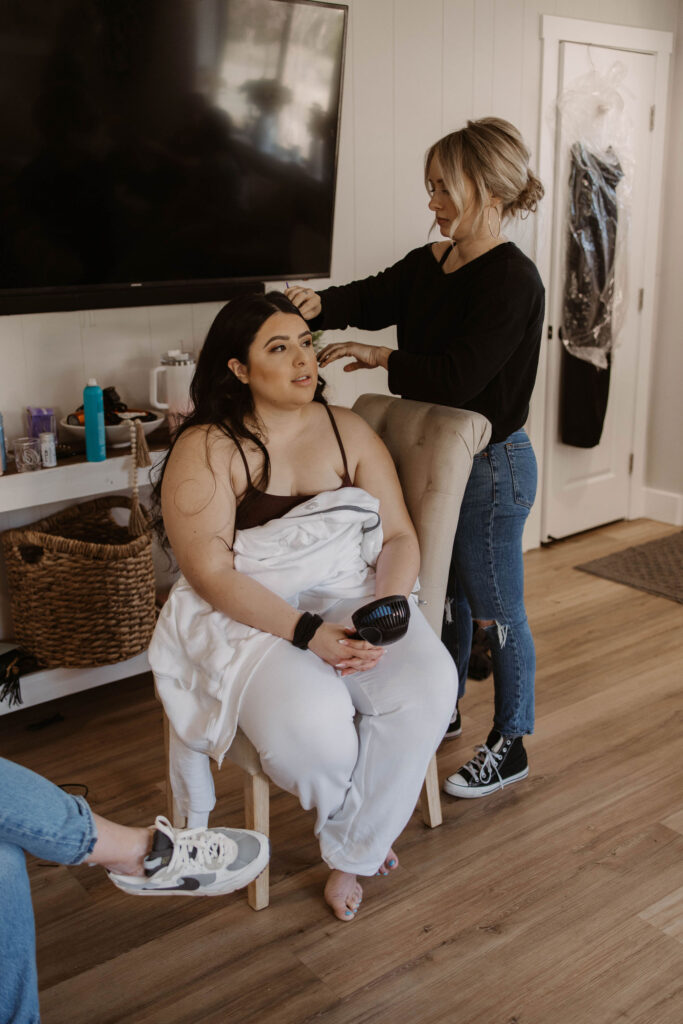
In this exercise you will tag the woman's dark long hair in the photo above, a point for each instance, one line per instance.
(219, 398)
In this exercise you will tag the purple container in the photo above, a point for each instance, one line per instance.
(39, 421)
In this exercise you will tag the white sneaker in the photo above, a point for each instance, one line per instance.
(197, 862)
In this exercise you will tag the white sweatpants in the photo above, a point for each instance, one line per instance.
(355, 748)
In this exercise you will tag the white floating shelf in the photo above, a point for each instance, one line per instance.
(70, 482)
(49, 684)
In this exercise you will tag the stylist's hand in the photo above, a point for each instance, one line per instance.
(333, 644)
(306, 301)
(367, 357)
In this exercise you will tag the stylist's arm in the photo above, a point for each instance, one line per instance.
(365, 357)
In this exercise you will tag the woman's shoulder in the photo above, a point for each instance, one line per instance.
(350, 423)
(422, 255)
(201, 463)
(204, 446)
(506, 270)
(425, 255)
(201, 436)
(521, 265)
(358, 437)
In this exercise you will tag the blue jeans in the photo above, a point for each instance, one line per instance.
(487, 577)
(40, 818)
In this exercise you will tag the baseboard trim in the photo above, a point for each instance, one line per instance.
(663, 506)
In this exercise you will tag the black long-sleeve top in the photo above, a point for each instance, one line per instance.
(469, 339)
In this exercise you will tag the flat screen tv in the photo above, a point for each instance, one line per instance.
(156, 151)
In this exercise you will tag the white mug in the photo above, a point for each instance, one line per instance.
(178, 369)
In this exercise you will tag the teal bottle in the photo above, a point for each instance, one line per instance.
(93, 411)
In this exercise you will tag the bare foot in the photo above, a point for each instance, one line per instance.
(390, 864)
(344, 894)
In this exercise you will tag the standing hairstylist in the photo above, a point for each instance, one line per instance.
(469, 315)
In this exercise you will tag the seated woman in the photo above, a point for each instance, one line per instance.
(280, 509)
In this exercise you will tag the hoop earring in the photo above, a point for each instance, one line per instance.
(488, 219)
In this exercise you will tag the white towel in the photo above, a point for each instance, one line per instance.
(318, 554)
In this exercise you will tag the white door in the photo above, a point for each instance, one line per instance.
(583, 487)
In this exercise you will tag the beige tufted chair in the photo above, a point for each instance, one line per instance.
(433, 447)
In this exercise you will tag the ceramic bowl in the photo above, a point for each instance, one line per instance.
(117, 436)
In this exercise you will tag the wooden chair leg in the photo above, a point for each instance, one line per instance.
(430, 799)
(173, 811)
(257, 814)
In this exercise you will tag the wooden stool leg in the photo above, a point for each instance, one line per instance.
(173, 811)
(257, 814)
(430, 799)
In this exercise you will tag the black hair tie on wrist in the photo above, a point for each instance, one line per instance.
(305, 630)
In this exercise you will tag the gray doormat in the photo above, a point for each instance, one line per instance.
(656, 567)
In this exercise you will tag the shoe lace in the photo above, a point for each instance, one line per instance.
(484, 764)
(201, 849)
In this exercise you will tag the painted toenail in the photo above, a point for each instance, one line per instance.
(348, 913)
(392, 863)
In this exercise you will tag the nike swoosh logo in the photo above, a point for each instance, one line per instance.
(187, 884)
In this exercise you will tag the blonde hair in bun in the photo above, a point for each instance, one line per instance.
(493, 155)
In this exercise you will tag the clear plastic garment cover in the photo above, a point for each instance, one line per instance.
(595, 125)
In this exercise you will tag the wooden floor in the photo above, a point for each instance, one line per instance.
(558, 901)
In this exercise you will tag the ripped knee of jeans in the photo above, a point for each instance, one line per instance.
(501, 630)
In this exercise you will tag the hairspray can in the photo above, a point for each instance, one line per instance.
(93, 410)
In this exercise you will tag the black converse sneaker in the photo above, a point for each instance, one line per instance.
(499, 762)
(454, 727)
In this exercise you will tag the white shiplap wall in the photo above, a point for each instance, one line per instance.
(414, 71)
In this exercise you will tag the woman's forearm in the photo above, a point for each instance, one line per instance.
(369, 304)
(383, 354)
(397, 566)
(245, 600)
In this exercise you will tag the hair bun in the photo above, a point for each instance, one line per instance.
(530, 196)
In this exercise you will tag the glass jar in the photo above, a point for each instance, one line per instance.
(27, 454)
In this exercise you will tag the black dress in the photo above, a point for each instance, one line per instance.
(588, 296)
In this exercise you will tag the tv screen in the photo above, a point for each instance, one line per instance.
(164, 150)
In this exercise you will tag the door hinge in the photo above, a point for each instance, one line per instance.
(630, 464)
(550, 332)
(641, 297)
(652, 118)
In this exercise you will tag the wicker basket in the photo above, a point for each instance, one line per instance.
(81, 588)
